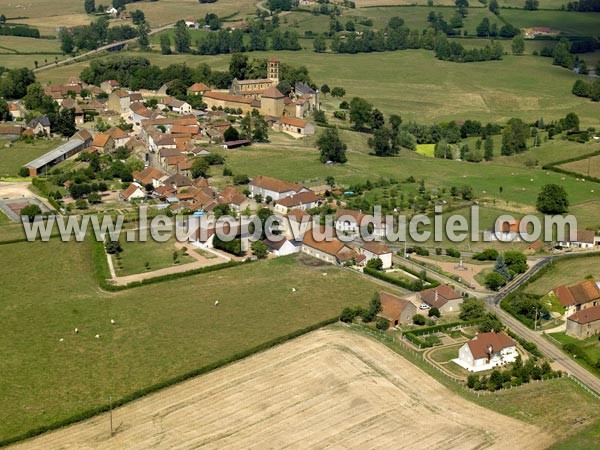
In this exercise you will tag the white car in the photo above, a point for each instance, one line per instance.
(424, 306)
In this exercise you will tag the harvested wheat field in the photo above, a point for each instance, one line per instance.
(329, 389)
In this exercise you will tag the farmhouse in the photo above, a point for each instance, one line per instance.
(295, 127)
(149, 176)
(134, 191)
(373, 250)
(109, 86)
(584, 323)
(271, 187)
(330, 249)
(486, 351)
(119, 101)
(348, 220)
(578, 297)
(40, 125)
(10, 132)
(398, 311)
(532, 33)
(302, 201)
(442, 297)
(507, 231)
(103, 143)
(584, 239)
(55, 156)
(198, 89)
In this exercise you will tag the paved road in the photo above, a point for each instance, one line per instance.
(100, 49)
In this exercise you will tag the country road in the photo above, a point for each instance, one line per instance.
(100, 49)
(492, 302)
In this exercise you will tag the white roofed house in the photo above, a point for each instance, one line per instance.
(486, 351)
(283, 246)
(271, 187)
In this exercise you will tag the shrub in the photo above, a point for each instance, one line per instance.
(382, 324)
(434, 312)
(487, 255)
(418, 319)
(452, 253)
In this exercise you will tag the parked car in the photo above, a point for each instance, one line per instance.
(424, 306)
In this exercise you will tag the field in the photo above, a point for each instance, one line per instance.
(159, 255)
(567, 272)
(419, 87)
(15, 44)
(294, 396)
(162, 331)
(426, 150)
(548, 152)
(586, 167)
(302, 165)
(571, 23)
(12, 158)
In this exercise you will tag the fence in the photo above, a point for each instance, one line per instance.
(583, 386)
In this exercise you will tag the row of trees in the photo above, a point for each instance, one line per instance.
(589, 90)
(517, 375)
(94, 35)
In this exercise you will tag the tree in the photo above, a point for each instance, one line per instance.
(382, 143)
(561, 54)
(518, 45)
(113, 247)
(67, 43)
(434, 312)
(325, 90)
(501, 268)
(320, 44)
(581, 89)
(89, 6)
(65, 123)
(2, 19)
(143, 40)
(4, 111)
(375, 264)
(491, 322)
(418, 319)
(338, 92)
(494, 281)
(382, 324)
(260, 250)
(552, 199)
(494, 7)
(30, 211)
(531, 5)
(165, 44)
(471, 309)
(514, 137)
(360, 112)
(516, 261)
(138, 17)
(488, 149)
(349, 314)
(331, 146)
(182, 37)
(199, 168)
(238, 66)
(231, 134)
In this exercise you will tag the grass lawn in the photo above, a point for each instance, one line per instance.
(445, 354)
(4, 220)
(161, 331)
(566, 271)
(419, 87)
(20, 153)
(589, 347)
(136, 254)
(548, 152)
(426, 150)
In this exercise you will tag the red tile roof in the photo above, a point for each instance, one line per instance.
(444, 294)
(481, 343)
(376, 247)
(391, 306)
(587, 315)
(578, 294)
(272, 184)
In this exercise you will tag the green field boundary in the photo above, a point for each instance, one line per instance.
(168, 383)
(554, 166)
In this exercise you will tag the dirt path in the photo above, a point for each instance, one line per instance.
(327, 389)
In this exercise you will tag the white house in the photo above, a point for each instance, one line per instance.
(271, 187)
(584, 239)
(133, 192)
(373, 250)
(486, 351)
(302, 201)
(507, 231)
(348, 221)
(283, 247)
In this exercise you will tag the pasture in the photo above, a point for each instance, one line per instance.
(586, 167)
(419, 87)
(16, 44)
(566, 271)
(331, 388)
(162, 331)
(19, 153)
(570, 23)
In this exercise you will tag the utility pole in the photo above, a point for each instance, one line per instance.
(536, 317)
(110, 414)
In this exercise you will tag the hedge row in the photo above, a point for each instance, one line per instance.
(102, 273)
(167, 383)
(554, 166)
(431, 281)
(408, 285)
(531, 347)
